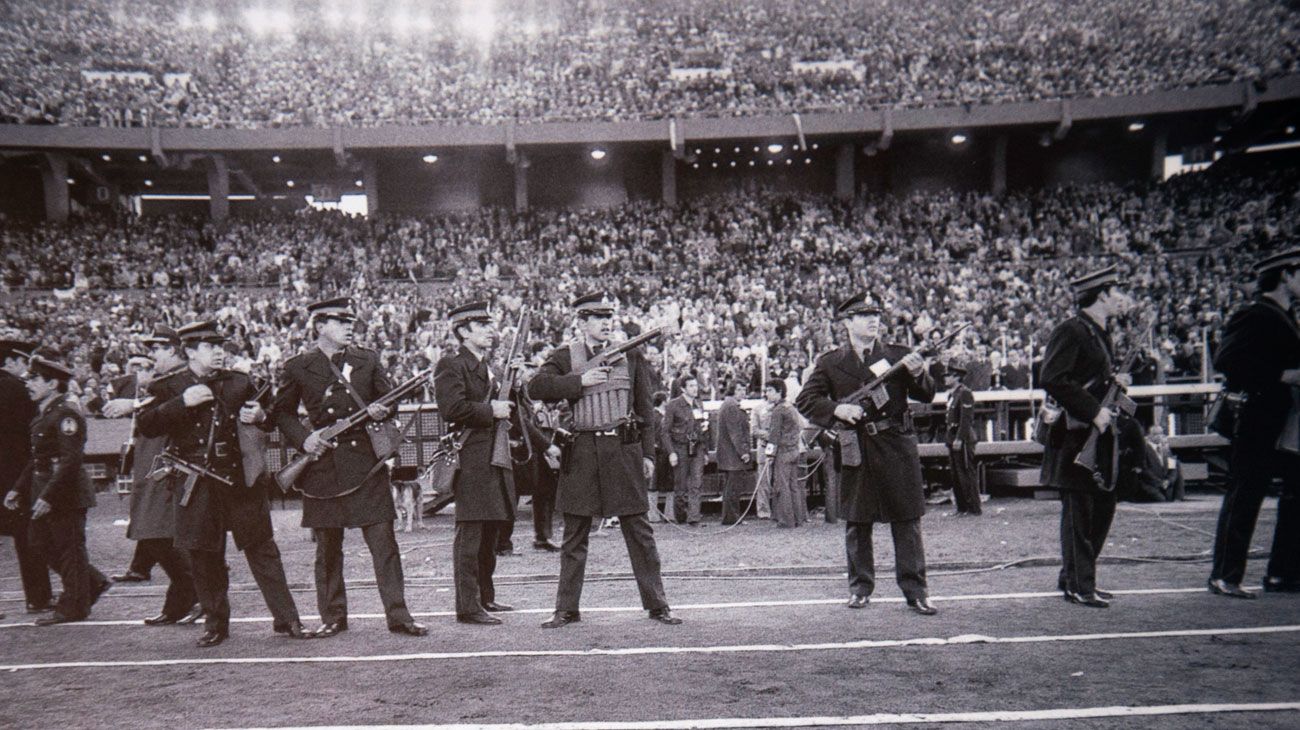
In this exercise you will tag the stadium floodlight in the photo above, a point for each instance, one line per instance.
(360, 184)
(737, 150)
(715, 165)
(1136, 126)
(807, 160)
(1290, 129)
(148, 183)
(430, 158)
(814, 145)
(106, 158)
(208, 20)
(275, 159)
(959, 139)
(598, 154)
(290, 183)
(775, 148)
(71, 181)
(717, 150)
(142, 158)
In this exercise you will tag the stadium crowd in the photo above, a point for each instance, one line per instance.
(173, 63)
(742, 284)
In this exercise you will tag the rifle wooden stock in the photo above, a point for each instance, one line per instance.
(1115, 398)
(615, 353)
(291, 472)
(501, 439)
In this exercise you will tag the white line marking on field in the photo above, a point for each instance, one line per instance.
(684, 607)
(921, 718)
(660, 650)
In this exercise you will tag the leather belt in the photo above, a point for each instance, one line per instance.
(609, 432)
(871, 428)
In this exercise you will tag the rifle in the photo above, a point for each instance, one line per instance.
(168, 464)
(614, 354)
(288, 475)
(126, 456)
(501, 441)
(1115, 398)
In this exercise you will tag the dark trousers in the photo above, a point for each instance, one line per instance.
(61, 537)
(142, 559)
(181, 594)
(474, 560)
(1085, 522)
(733, 483)
(965, 481)
(331, 594)
(212, 582)
(544, 505)
(32, 566)
(641, 549)
(909, 558)
(1252, 471)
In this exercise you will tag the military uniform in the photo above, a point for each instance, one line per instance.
(1259, 342)
(15, 452)
(602, 475)
(959, 425)
(485, 494)
(880, 467)
(1076, 373)
(55, 475)
(347, 486)
(208, 435)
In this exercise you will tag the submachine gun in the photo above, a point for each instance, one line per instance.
(1115, 400)
(501, 440)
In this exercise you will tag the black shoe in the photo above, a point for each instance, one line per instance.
(411, 628)
(1091, 600)
(131, 576)
(1274, 584)
(293, 630)
(212, 637)
(495, 607)
(331, 629)
(1222, 587)
(561, 618)
(664, 616)
(546, 545)
(192, 617)
(506, 553)
(55, 618)
(922, 606)
(161, 619)
(1104, 595)
(486, 619)
(40, 607)
(856, 601)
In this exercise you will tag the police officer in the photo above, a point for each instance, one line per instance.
(15, 451)
(485, 494)
(1260, 355)
(348, 486)
(880, 465)
(58, 491)
(959, 437)
(201, 409)
(153, 511)
(1077, 371)
(610, 460)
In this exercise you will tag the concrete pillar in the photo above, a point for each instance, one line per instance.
(218, 188)
(54, 180)
(1159, 149)
(998, 184)
(668, 163)
(521, 182)
(844, 182)
(370, 180)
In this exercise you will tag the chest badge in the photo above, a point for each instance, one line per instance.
(69, 426)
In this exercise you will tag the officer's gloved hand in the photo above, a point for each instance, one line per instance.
(197, 395)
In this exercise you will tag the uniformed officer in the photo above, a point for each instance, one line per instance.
(485, 494)
(153, 511)
(348, 487)
(58, 491)
(959, 437)
(15, 451)
(201, 410)
(1260, 355)
(605, 471)
(1077, 371)
(880, 466)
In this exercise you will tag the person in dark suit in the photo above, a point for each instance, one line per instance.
(606, 467)
(348, 486)
(206, 412)
(485, 493)
(153, 512)
(662, 483)
(1077, 372)
(959, 437)
(15, 451)
(789, 502)
(682, 437)
(57, 490)
(1260, 355)
(881, 467)
(735, 451)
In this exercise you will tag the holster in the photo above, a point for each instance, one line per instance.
(629, 432)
